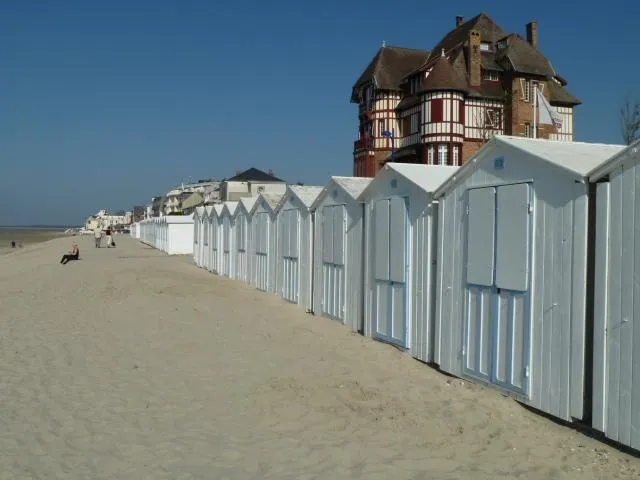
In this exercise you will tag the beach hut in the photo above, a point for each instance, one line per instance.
(205, 235)
(263, 223)
(400, 255)
(295, 244)
(338, 251)
(228, 240)
(243, 243)
(177, 234)
(616, 347)
(215, 227)
(512, 270)
(198, 236)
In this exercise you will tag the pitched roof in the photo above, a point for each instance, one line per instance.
(352, 185)
(208, 210)
(627, 157)
(524, 57)
(408, 102)
(254, 175)
(390, 66)
(217, 209)
(559, 94)
(199, 211)
(272, 199)
(229, 207)
(248, 203)
(426, 177)
(306, 193)
(576, 158)
(444, 77)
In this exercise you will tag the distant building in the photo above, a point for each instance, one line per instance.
(250, 183)
(440, 106)
(103, 219)
(138, 213)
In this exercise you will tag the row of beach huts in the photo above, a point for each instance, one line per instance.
(520, 269)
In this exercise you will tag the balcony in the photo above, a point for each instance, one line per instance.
(363, 144)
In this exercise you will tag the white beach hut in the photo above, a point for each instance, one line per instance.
(243, 242)
(400, 255)
(198, 236)
(295, 244)
(228, 238)
(215, 226)
(177, 234)
(205, 235)
(512, 270)
(338, 251)
(616, 347)
(265, 237)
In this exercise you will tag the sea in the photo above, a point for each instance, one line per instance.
(27, 236)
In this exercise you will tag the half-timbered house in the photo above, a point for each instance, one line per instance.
(440, 106)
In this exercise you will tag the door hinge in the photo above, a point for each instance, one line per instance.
(526, 372)
(463, 352)
(530, 207)
(466, 210)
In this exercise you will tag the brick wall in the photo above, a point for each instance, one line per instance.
(521, 112)
(469, 149)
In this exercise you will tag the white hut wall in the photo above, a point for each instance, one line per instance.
(547, 355)
(338, 268)
(616, 398)
(417, 322)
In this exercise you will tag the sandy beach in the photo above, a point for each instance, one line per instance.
(25, 236)
(130, 364)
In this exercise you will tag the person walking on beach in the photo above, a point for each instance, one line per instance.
(97, 235)
(108, 235)
(73, 254)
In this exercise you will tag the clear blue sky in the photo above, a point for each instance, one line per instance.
(105, 104)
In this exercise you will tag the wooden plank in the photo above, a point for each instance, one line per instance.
(601, 293)
(626, 327)
(537, 337)
(578, 295)
(563, 369)
(635, 319)
(613, 330)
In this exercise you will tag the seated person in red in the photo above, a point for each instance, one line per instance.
(73, 254)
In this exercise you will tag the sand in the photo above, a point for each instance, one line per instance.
(130, 364)
(25, 236)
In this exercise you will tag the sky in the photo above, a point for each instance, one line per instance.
(106, 104)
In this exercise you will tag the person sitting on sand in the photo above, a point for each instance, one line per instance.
(73, 254)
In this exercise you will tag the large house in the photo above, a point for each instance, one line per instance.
(441, 106)
(250, 183)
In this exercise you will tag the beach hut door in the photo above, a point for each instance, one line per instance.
(333, 261)
(290, 254)
(261, 221)
(497, 324)
(390, 251)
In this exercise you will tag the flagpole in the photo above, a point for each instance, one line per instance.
(535, 110)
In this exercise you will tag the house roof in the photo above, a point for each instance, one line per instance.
(444, 77)
(408, 102)
(575, 158)
(217, 209)
(208, 210)
(306, 193)
(194, 199)
(426, 177)
(229, 207)
(628, 154)
(517, 55)
(254, 175)
(390, 66)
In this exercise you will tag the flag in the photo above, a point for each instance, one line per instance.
(548, 115)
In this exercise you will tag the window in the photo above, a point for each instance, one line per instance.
(380, 127)
(436, 110)
(493, 118)
(528, 130)
(491, 75)
(430, 154)
(484, 47)
(414, 123)
(456, 155)
(525, 85)
(443, 153)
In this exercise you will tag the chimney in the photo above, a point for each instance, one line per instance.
(475, 59)
(532, 33)
(459, 20)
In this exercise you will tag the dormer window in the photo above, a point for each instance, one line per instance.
(491, 75)
(485, 47)
(502, 44)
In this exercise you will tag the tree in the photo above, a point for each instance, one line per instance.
(630, 121)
